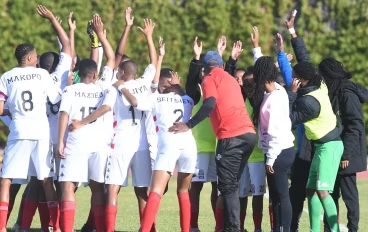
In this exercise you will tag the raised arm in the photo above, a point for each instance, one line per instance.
(148, 32)
(283, 61)
(230, 65)
(97, 26)
(72, 26)
(221, 45)
(124, 38)
(161, 54)
(94, 42)
(195, 68)
(254, 37)
(297, 42)
(63, 37)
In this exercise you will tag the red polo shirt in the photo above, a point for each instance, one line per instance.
(230, 117)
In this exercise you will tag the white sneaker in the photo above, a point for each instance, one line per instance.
(194, 230)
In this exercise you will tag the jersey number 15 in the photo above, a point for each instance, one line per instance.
(90, 109)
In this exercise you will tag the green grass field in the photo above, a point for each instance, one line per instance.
(168, 217)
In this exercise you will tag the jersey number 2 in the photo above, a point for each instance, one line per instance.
(91, 109)
(180, 116)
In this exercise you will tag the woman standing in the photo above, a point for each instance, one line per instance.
(311, 106)
(271, 116)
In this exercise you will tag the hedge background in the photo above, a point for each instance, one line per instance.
(336, 28)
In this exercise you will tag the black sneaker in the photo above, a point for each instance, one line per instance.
(86, 228)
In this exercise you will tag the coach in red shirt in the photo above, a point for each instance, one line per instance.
(224, 103)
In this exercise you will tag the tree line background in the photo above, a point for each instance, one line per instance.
(337, 28)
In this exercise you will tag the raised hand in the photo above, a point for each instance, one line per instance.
(237, 50)
(295, 84)
(254, 37)
(279, 43)
(290, 24)
(290, 57)
(175, 79)
(72, 24)
(58, 20)
(221, 45)
(97, 25)
(148, 27)
(44, 12)
(128, 17)
(197, 49)
(161, 47)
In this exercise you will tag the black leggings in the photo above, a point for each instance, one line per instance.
(279, 190)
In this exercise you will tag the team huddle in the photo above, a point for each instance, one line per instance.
(70, 126)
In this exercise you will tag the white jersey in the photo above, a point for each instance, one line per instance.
(168, 108)
(60, 78)
(150, 122)
(79, 101)
(26, 91)
(129, 123)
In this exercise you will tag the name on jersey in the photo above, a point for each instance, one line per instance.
(175, 100)
(138, 90)
(89, 95)
(23, 78)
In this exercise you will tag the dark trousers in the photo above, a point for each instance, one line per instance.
(278, 186)
(231, 156)
(297, 191)
(347, 186)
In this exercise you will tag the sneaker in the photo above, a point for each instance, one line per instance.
(86, 228)
(258, 230)
(194, 230)
(15, 228)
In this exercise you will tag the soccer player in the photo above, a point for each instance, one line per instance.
(347, 98)
(169, 107)
(233, 129)
(311, 106)
(78, 101)
(130, 146)
(26, 90)
(271, 115)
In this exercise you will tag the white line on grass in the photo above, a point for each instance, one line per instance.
(343, 228)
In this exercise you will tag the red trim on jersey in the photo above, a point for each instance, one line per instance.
(112, 146)
(157, 129)
(3, 96)
(115, 123)
(154, 118)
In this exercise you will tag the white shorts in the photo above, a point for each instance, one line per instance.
(56, 160)
(20, 181)
(23, 158)
(118, 165)
(152, 143)
(253, 180)
(169, 155)
(82, 168)
(205, 168)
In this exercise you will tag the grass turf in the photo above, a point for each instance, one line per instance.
(168, 217)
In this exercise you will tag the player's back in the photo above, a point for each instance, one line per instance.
(170, 108)
(79, 101)
(27, 90)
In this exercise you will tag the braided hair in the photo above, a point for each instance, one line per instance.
(264, 72)
(22, 51)
(334, 73)
(306, 71)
